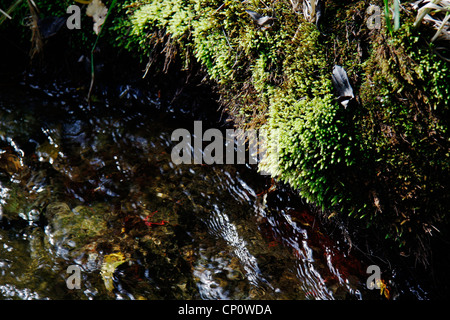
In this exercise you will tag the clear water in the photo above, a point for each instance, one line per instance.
(82, 184)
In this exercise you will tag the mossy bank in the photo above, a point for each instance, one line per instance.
(381, 165)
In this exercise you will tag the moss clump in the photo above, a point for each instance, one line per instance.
(405, 93)
(313, 150)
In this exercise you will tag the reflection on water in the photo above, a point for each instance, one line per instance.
(80, 185)
(221, 226)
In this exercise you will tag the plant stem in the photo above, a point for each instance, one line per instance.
(93, 49)
(387, 18)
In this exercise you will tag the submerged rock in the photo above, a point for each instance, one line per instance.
(71, 230)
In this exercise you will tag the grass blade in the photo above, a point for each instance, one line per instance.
(387, 18)
(396, 15)
(439, 31)
(8, 11)
(424, 11)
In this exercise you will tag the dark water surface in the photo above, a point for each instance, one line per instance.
(94, 186)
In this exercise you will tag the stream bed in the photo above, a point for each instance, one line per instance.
(92, 188)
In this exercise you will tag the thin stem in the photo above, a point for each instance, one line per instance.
(93, 49)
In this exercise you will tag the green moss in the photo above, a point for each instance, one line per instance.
(405, 93)
(312, 147)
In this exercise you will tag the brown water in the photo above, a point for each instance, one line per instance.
(94, 186)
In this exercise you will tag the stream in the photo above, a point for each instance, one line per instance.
(92, 188)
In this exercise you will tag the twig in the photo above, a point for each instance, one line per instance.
(264, 4)
(218, 9)
(7, 15)
(226, 38)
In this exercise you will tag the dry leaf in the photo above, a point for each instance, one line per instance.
(98, 11)
(110, 263)
(10, 163)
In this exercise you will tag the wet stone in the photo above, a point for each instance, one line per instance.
(73, 229)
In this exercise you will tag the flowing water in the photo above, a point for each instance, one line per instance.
(93, 186)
